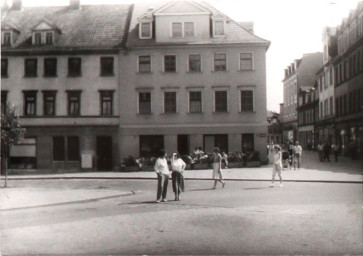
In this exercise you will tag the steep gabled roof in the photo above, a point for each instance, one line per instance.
(90, 27)
(234, 32)
(309, 66)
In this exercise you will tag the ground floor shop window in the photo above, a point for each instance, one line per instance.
(150, 145)
(216, 140)
(23, 154)
(248, 143)
(66, 148)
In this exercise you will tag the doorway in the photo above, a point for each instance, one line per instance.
(183, 144)
(104, 153)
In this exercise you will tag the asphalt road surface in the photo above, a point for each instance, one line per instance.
(243, 218)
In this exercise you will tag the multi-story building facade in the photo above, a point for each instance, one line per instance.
(307, 116)
(274, 135)
(299, 77)
(60, 68)
(326, 89)
(106, 82)
(348, 67)
(196, 78)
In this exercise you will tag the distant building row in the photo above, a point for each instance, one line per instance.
(323, 92)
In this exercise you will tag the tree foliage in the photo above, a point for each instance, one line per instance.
(11, 131)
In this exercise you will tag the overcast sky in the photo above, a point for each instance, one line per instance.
(294, 27)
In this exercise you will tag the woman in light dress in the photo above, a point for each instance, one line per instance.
(277, 166)
(177, 167)
(217, 168)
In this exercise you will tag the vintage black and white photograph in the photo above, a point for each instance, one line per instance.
(181, 127)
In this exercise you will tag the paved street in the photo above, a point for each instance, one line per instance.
(117, 214)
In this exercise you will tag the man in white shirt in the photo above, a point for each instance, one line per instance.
(162, 170)
(297, 154)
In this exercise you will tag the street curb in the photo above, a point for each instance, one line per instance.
(149, 178)
(69, 202)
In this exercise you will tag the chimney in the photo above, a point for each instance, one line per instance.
(74, 4)
(17, 5)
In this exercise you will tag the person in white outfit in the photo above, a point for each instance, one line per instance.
(297, 155)
(162, 170)
(217, 168)
(277, 165)
(177, 167)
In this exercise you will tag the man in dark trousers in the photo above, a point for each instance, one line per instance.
(326, 149)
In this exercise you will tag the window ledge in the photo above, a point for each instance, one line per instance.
(145, 114)
(174, 113)
(195, 113)
(107, 75)
(169, 72)
(30, 76)
(50, 76)
(74, 76)
(5, 76)
(220, 112)
(194, 72)
(144, 73)
(246, 70)
(220, 71)
(247, 111)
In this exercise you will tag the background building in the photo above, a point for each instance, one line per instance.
(61, 70)
(299, 76)
(195, 78)
(348, 66)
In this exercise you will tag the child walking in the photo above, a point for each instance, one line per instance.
(277, 166)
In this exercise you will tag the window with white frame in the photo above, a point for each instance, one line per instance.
(106, 102)
(246, 61)
(169, 102)
(30, 103)
(6, 38)
(182, 29)
(188, 29)
(195, 63)
(220, 101)
(37, 38)
(145, 64)
(218, 28)
(144, 103)
(220, 62)
(195, 102)
(49, 37)
(177, 29)
(170, 63)
(145, 30)
(247, 100)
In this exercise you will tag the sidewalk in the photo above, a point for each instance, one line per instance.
(15, 198)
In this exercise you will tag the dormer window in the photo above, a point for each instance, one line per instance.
(218, 28)
(49, 37)
(45, 33)
(43, 37)
(37, 38)
(7, 38)
(182, 29)
(145, 30)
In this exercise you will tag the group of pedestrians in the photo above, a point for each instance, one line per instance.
(176, 173)
(325, 151)
(276, 154)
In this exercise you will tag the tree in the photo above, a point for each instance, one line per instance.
(11, 133)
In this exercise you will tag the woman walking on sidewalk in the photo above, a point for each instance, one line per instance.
(277, 165)
(217, 168)
(162, 170)
(177, 167)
